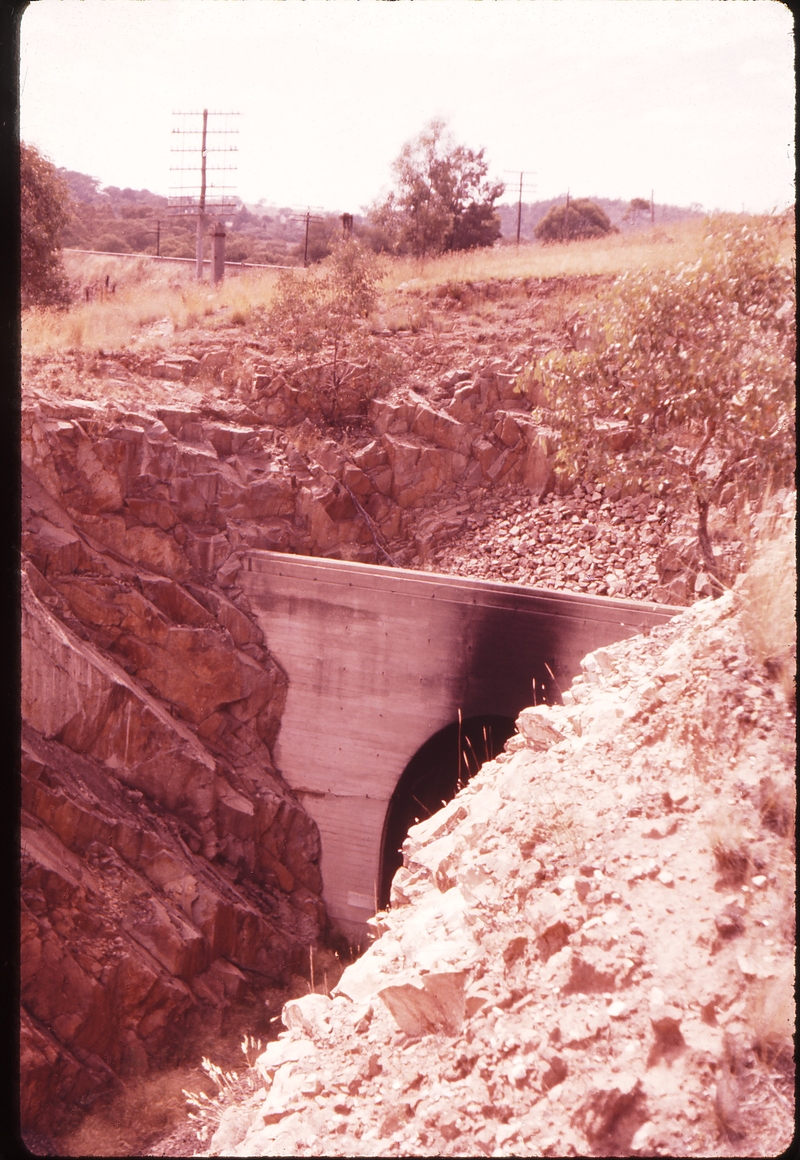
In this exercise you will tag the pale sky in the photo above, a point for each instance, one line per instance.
(693, 99)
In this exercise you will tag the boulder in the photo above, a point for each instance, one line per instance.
(429, 1003)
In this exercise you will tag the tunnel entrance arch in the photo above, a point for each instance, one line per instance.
(433, 776)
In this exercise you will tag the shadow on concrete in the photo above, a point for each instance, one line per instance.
(432, 778)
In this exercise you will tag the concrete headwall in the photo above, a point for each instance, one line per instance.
(380, 659)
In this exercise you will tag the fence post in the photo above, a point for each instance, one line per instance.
(218, 253)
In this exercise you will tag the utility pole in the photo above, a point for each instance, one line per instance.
(652, 209)
(308, 217)
(530, 186)
(203, 199)
(565, 231)
(201, 215)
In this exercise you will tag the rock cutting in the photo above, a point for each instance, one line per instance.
(588, 948)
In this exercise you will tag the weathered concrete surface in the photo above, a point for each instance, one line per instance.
(379, 660)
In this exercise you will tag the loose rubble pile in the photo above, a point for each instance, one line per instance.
(589, 951)
(580, 542)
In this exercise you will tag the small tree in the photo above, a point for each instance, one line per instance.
(636, 206)
(688, 381)
(326, 315)
(582, 219)
(443, 198)
(43, 211)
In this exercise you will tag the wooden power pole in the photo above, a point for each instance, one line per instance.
(201, 214)
(528, 186)
(204, 199)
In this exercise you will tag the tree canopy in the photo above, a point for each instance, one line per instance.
(581, 219)
(443, 198)
(43, 211)
(636, 206)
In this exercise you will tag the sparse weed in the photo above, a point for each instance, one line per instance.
(233, 1088)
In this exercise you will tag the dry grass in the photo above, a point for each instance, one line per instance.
(653, 248)
(153, 300)
(729, 843)
(771, 1013)
(146, 293)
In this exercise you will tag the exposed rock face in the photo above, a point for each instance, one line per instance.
(166, 866)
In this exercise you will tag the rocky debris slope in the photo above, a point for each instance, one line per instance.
(166, 868)
(589, 951)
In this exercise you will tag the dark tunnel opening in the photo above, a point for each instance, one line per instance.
(433, 776)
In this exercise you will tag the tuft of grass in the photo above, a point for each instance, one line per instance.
(233, 1089)
(729, 845)
(769, 592)
(771, 1014)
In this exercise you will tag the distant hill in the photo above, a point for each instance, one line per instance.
(137, 221)
(616, 208)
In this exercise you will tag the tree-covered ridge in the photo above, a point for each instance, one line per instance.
(137, 221)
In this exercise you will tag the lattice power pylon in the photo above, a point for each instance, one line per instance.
(197, 194)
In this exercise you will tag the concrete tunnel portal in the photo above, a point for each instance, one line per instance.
(433, 776)
(382, 663)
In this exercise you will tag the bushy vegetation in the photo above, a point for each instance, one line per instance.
(324, 314)
(574, 220)
(43, 215)
(443, 198)
(685, 378)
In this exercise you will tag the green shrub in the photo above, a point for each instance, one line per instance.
(686, 377)
(325, 315)
(582, 218)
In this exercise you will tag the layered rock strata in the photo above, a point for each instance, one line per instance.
(166, 868)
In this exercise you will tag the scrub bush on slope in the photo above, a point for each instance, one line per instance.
(326, 316)
(685, 379)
